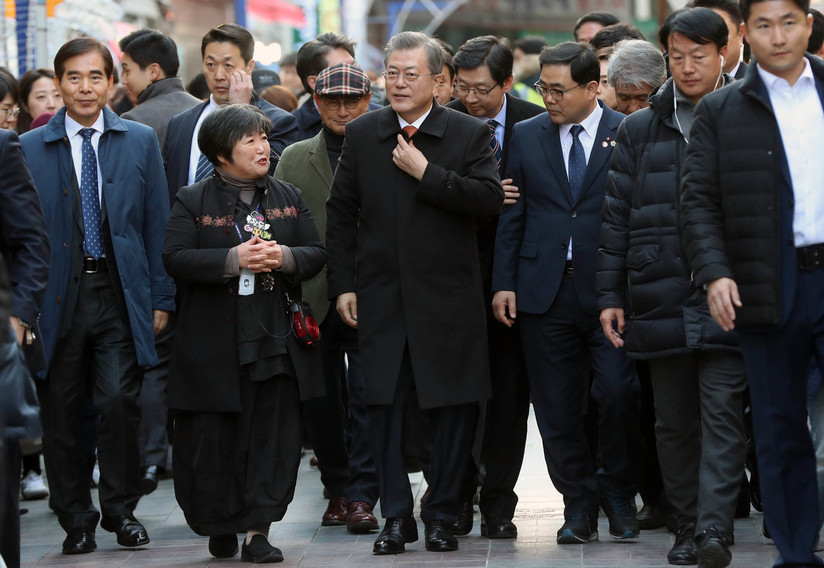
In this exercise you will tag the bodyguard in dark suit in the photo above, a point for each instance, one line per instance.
(483, 79)
(101, 185)
(545, 253)
(403, 265)
(227, 52)
(751, 214)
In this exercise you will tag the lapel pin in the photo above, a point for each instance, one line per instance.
(604, 143)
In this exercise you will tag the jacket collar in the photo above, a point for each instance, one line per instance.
(752, 85)
(56, 127)
(434, 125)
(161, 87)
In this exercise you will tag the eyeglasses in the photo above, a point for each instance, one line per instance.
(409, 77)
(557, 94)
(10, 112)
(351, 103)
(480, 93)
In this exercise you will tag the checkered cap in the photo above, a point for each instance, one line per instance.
(342, 80)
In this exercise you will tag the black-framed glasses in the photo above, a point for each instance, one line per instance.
(334, 104)
(410, 77)
(480, 93)
(557, 94)
(10, 112)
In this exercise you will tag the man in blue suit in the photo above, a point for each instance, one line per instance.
(227, 52)
(545, 252)
(101, 185)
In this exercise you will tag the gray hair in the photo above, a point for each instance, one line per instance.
(406, 41)
(635, 63)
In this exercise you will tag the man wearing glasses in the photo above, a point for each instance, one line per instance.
(545, 251)
(403, 266)
(483, 79)
(342, 93)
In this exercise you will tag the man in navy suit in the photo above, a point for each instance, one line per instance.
(751, 217)
(227, 52)
(545, 253)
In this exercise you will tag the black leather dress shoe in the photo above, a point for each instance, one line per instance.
(129, 531)
(493, 526)
(395, 534)
(439, 538)
(149, 479)
(466, 518)
(79, 541)
(683, 552)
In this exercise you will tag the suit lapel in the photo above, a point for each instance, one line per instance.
(187, 130)
(601, 152)
(320, 161)
(551, 144)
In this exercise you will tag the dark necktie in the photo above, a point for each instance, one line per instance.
(410, 131)
(577, 162)
(493, 141)
(89, 198)
(204, 168)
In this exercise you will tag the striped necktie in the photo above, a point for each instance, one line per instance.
(204, 168)
(493, 141)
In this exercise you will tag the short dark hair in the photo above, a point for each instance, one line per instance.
(817, 37)
(225, 127)
(198, 87)
(530, 44)
(150, 46)
(26, 84)
(583, 63)
(803, 5)
(729, 7)
(230, 33)
(494, 52)
(311, 58)
(700, 25)
(448, 55)
(612, 34)
(603, 18)
(80, 46)
(289, 60)
(9, 85)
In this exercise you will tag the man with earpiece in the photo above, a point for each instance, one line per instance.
(697, 371)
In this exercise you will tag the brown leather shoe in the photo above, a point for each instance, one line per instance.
(361, 520)
(335, 514)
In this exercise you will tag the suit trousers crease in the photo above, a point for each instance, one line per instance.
(777, 363)
(554, 343)
(699, 405)
(96, 358)
(453, 429)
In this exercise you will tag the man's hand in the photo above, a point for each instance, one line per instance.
(723, 298)
(347, 306)
(161, 318)
(511, 193)
(503, 307)
(409, 159)
(613, 332)
(240, 87)
(19, 330)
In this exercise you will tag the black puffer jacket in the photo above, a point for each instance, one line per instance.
(641, 263)
(735, 222)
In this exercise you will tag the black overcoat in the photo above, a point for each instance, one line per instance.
(204, 371)
(409, 250)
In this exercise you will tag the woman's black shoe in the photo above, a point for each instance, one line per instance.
(223, 545)
(260, 551)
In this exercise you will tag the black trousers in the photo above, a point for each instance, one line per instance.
(9, 502)
(95, 359)
(154, 417)
(452, 433)
(778, 364)
(554, 344)
(699, 407)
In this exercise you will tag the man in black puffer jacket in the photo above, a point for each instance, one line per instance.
(751, 215)
(696, 368)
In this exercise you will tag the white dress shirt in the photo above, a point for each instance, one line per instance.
(800, 118)
(194, 153)
(417, 123)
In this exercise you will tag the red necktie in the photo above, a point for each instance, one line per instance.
(410, 131)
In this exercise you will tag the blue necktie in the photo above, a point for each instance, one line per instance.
(493, 142)
(89, 198)
(577, 162)
(204, 168)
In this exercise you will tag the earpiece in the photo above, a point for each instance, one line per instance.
(722, 61)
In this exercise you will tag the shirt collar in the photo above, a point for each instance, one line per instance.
(417, 123)
(213, 105)
(590, 123)
(500, 118)
(773, 81)
(73, 127)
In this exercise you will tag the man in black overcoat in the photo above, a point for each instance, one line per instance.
(403, 266)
